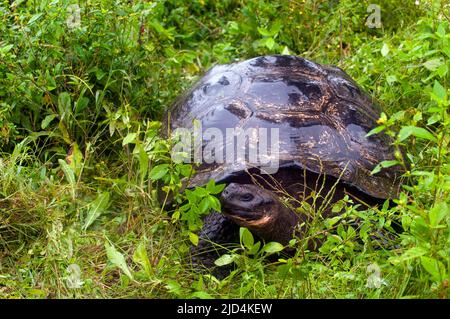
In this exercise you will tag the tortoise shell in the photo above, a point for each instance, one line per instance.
(322, 115)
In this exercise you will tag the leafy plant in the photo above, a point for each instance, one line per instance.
(90, 193)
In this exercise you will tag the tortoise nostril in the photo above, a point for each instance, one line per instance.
(228, 191)
(225, 194)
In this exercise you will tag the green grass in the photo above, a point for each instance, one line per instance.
(82, 161)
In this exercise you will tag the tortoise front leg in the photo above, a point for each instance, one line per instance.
(217, 231)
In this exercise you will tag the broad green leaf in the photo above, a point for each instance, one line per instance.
(434, 267)
(47, 120)
(64, 132)
(51, 83)
(264, 32)
(201, 192)
(276, 27)
(441, 31)
(330, 222)
(397, 116)
(246, 237)
(112, 128)
(391, 79)
(376, 130)
(185, 169)
(386, 164)
(224, 260)
(117, 259)
(446, 50)
(254, 250)
(6, 48)
(338, 206)
(204, 205)
(385, 49)
(418, 132)
(439, 91)
(438, 213)
(81, 104)
(64, 104)
(214, 203)
(96, 208)
(272, 247)
(143, 162)
(411, 253)
(34, 18)
(68, 172)
(351, 233)
(418, 116)
(433, 64)
(174, 287)
(75, 159)
(285, 51)
(383, 164)
(215, 189)
(269, 43)
(159, 171)
(140, 257)
(210, 185)
(130, 138)
(436, 117)
(193, 238)
(176, 216)
(283, 270)
(341, 231)
(191, 196)
(442, 70)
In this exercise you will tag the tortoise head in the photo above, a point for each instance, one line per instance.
(260, 210)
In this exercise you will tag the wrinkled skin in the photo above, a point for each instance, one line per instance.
(219, 232)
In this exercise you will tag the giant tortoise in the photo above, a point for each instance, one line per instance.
(322, 150)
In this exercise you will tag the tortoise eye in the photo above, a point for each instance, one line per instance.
(247, 197)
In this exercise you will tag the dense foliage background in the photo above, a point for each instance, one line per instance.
(82, 87)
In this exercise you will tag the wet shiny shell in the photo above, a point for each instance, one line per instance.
(322, 115)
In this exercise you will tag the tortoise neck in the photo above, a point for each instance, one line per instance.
(282, 229)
